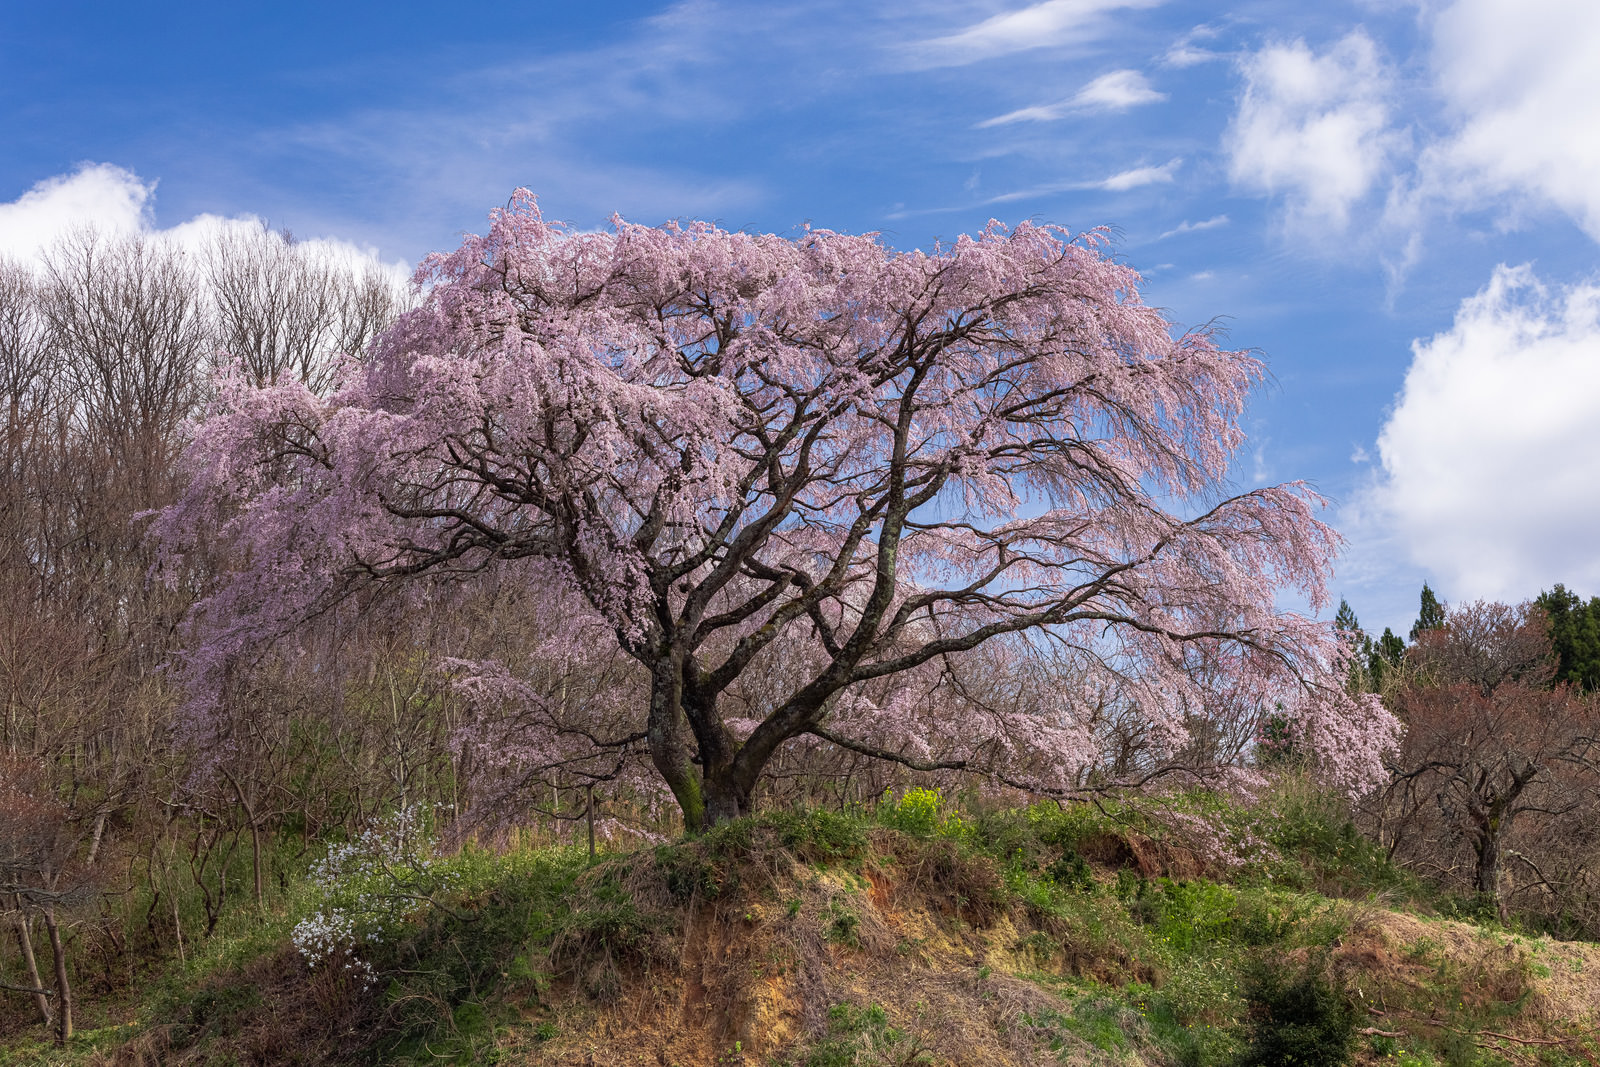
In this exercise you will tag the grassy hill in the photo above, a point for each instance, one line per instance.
(1185, 932)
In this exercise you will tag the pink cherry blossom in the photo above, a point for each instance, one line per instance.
(793, 480)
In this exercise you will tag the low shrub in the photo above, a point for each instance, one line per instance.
(921, 813)
(1298, 1015)
(862, 1037)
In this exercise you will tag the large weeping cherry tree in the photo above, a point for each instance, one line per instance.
(816, 459)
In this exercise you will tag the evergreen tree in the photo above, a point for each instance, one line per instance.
(1575, 634)
(1383, 656)
(1345, 621)
(1357, 680)
(1390, 647)
(1431, 617)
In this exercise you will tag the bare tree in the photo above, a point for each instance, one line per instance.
(283, 311)
(38, 877)
(1492, 754)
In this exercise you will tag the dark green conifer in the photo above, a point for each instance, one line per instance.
(1431, 617)
(1575, 634)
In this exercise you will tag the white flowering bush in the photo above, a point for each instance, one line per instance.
(366, 890)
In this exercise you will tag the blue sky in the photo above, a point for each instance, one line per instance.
(1398, 203)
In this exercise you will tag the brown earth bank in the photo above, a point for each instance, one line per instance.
(757, 949)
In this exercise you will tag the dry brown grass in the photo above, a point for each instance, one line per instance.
(920, 931)
(1514, 995)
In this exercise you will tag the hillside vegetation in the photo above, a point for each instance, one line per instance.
(1179, 931)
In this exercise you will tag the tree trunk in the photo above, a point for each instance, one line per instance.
(725, 799)
(671, 747)
(25, 944)
(63, 989)
(1486, 878)
(588, 816)
(255, 834)
(95, 837)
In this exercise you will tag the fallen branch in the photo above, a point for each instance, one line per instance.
(27, 989)
(1519, 1040)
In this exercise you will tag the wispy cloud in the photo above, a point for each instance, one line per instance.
(1139, 176)
(1192, 227)
(1120, 182)
(1186, 53)
(1117, 91)
(1052, 24)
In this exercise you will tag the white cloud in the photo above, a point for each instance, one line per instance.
(1522, 84)
(1117, 91)
(1491, 477)
(1052, 24)
(97, 195)
(1192, 227)
(1139, 176)
(117, 202)
(1118, 183)
(1185, 53)
(1312, 128)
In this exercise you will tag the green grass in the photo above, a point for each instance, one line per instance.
(473, 946)
(861, 1037)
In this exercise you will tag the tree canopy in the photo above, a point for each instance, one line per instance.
(1575, 634)
(800, 482)
(1430, 614)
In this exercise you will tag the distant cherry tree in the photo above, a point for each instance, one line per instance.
(815, 471)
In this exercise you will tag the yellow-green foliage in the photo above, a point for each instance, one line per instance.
(921, 813)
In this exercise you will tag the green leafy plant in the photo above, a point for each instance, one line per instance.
(1298, 1015)
(862, 1037)
(919, 812)
(843, 926)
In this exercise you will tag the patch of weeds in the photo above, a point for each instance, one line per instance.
(1408, 1058)
(1071, 871)
(862, 1037)
(1038, 944)
(1298, 1015)
(1393, 1054)
(1479, 909)
(217, 1007)
(1102, 1022)
(1186, 1041)
(1421, 949)
(1308, 826)
(957, 883)
(1187, 916)
(1041, 896)
(1270, 916)
(453, 981)
(843, 926)
(818, 835)
(919, 813)
(1459, 1050)
(1202, 990)
(690, 875)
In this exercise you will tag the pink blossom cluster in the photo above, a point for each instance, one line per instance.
(794, 481)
